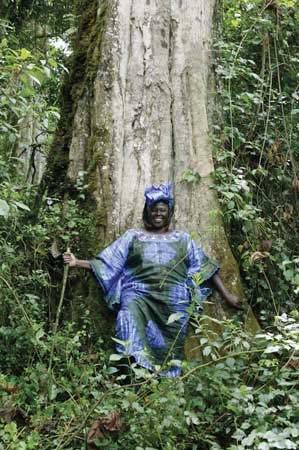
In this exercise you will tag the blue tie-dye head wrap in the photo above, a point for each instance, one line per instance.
(159, 193)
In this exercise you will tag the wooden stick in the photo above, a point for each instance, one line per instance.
(64, 281)
(58, 313)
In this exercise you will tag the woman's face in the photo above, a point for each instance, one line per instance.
(158, 215)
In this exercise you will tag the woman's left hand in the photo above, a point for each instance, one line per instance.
(233, 301)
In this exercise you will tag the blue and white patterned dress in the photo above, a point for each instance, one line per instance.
(147, 277)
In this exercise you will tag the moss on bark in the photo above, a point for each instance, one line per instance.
(83, 64)
(88, 45)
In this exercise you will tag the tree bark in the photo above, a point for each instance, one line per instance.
(147, 110)
(140, 116)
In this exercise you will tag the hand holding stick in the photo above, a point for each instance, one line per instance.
(69, 258)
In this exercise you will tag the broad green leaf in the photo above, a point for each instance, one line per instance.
(39, 334)
(4, 208)
(230, 362)
(22, 205)
(55, 114)
(116, 357)
(33, 78)
(52, 63)
(119, 341)
(207, 350)
(141, 373)
(263, 446)
(174, 317)
(112, 370)
(175, 362)
(28, 91)
(24, 54)
(272, 349)
(47, 71)
(53, 392)
(3, 42)
(249, 440)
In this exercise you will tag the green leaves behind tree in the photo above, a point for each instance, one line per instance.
(35, 14)
(257, 147)
(24, 85)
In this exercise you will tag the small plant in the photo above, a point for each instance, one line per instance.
(191, 176)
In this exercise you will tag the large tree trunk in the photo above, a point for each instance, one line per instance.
(145, 118)
(140, 116)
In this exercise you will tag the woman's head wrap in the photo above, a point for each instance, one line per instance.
(159, 193)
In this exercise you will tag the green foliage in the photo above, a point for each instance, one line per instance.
(26, 81)
(243, 396)
(30, 279)
(257, 147)
(36, 14)
(290, 270)
(191, 176)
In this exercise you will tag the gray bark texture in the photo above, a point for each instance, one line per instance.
(150, 96)
(29, 152)
(145, 120)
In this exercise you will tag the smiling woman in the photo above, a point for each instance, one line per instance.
(159, 216)
(146, 276)
(158, 208)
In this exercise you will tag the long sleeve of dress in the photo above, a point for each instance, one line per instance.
(108, 268)
(204, 268)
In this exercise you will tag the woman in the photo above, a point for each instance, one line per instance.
(146, 276)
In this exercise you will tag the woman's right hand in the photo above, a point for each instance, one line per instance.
(70, 259)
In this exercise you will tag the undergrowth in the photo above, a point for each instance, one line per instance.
(242, 396)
